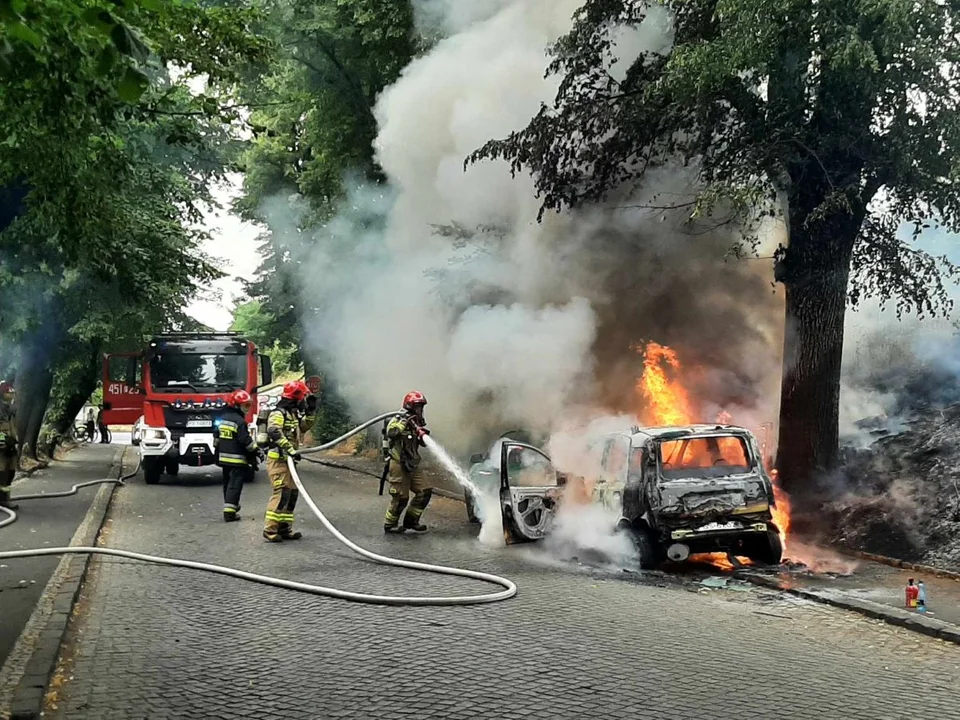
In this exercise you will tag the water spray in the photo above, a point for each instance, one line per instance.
(509, 588)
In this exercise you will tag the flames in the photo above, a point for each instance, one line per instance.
(665, 401)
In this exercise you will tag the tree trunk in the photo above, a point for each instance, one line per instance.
(34, 383)
(815, 274)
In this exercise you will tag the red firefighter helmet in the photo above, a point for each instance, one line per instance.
(295, 390)
(414, 398)
(239, 398)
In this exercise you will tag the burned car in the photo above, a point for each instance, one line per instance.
(677, 491)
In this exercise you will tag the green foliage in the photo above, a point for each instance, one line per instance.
(257, 325)
(845, 111)
(315, 126)
(117, 154)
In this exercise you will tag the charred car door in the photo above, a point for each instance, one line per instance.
(529, 492)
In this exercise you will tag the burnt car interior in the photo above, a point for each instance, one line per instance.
(704, 457)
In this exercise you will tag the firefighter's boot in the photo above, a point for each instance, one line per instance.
(411, 521)
(288, 534)
(391, 521)
(230, 516)
(413, 524)
(272, 537)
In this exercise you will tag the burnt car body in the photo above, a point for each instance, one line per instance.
(677, 491)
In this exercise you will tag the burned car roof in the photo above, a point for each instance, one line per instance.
(675, 432)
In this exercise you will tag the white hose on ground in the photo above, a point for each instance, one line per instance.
(510, 589)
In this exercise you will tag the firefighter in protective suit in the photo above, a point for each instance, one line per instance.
(9, 446)
(293, 416)
(405, 435)
(236, 452)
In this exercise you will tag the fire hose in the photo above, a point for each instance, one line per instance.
(509, 588)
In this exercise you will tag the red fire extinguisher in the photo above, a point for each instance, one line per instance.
(912, 593)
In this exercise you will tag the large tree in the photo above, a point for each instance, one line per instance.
(114, 157)
(841, 116)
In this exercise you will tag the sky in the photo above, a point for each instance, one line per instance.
(233, 247)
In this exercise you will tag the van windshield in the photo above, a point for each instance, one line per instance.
(712, 456)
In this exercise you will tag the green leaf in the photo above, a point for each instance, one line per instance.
(102, 20)
(22, 32)
(108, 57)
(122, 39)
(133, 85)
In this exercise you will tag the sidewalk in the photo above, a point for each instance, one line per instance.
(49, 522)
(876, 590)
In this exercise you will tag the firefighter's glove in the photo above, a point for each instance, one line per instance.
(297, 457)
(261, 455)
(311, 403)
(422, 432)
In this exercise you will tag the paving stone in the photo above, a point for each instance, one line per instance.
(160, 642)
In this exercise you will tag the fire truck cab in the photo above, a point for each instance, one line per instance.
(175, 392)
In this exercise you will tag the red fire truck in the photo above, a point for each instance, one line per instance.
(175, 391)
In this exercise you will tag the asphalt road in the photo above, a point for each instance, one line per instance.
(46, 523)
(577, 642)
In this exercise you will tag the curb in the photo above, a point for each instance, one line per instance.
(891, 615)
(31, 690)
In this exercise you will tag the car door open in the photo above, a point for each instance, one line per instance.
(529, 492)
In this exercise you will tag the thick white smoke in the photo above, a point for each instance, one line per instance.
(445, 282)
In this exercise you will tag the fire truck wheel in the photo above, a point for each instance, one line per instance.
(151, 471)
(172, 467)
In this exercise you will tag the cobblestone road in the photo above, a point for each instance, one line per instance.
(152, 642)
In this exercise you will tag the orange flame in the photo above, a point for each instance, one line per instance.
(666, 401)
(781, 513)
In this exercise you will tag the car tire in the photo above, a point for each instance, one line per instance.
(471, 508)
(511, 533)
(648, 555)
(172, 468)
(765, 549)
(151, 471)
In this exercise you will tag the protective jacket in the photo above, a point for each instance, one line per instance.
(8, 430)
(404, 442)
(285, 428)
(235, 447)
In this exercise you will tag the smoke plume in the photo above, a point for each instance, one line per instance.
(444, 281)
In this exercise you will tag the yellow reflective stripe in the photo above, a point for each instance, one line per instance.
(279, 517)
(274, 455)
(228, 424)
(230, 508)
(230, 460)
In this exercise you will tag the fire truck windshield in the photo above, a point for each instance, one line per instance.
(188, 372)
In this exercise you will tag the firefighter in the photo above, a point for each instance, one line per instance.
(405, 434)
(236, 451)
(293, 416)
(9, 446)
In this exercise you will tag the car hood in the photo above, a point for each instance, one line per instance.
(733, 494)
